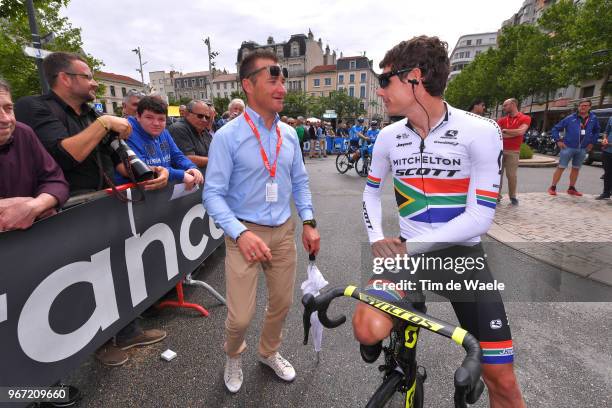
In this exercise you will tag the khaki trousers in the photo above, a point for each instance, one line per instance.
(241, 288)
(510, 167)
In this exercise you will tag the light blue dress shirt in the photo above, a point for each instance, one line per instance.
(235, 182)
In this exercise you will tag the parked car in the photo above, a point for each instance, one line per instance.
(602, 117)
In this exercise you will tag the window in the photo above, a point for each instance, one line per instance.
(193, 81)
(352, 78)
(218, 86)
(340, 79)
(123, 91)
(225, 94)
(469, 42)
(279, 52)
(362, 92)
(295, 49)
(363, 77)
(492, 40)
(588, 91)
(479, 41)
(341, 88)
(477, 52)
(352, 64)
(112, 90)
(467, 54)
(114, 107)
(327, 81)
(351, 91)
(201, 80)
(317, 83)
(202, 96)
(225, 85)
(185, 83)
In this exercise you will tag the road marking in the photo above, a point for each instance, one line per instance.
(3, 308)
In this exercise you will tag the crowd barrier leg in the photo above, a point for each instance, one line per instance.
(180, 302)
(193, 282)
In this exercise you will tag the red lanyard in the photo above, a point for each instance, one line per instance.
(586, 122)
(264, 156)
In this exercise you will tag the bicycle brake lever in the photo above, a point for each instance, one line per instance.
(308, 302)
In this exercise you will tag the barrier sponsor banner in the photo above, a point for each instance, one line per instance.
(70, 282)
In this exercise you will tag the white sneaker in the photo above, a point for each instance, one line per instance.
(233, 373)
(281, 367)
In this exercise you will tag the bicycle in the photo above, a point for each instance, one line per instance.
(401, 351)
(343, 160)
(362, 165)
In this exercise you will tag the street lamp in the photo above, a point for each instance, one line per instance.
(137, 52)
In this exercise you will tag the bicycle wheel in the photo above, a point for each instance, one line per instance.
(363, 166)
(415, 397)
(342, 163)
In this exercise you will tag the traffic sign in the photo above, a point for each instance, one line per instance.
(36, 52)
(98, 107)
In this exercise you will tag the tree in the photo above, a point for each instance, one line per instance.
(298, 103)
(583, 40)
(345, 106)
(20, 70)
(221, 104)
(238, 95)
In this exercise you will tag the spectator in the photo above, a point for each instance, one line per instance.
(32, 185)
(312, 135)
(478, 107)
(606, 158)
(513, 127)
(191, 135)
(153, 144)
(235, 107)
(581, 132)
(249, 195)
(77, 139)
(130, 102)
(182, 111)
(299, 129)
(341, 130)
(283, 119)
(322, 138)
(291, 122)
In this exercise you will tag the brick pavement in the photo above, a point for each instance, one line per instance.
(571, 233)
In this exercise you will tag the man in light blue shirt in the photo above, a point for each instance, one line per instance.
(255, 167)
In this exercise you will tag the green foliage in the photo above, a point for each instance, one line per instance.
(20, 70)
(238, 95)
(540, 59)
(298, 103)
(221, 104)
(526, 152)
(177, 102)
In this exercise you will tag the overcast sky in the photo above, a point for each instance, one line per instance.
(170, 33)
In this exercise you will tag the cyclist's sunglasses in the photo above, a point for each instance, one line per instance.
(384, 79)
(274, 70)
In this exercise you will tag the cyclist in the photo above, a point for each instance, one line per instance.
(355, 137)
(370, 139)
(445, 166)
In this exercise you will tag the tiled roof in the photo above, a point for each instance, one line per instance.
(116, 77)
(225, 77)
(323, 68)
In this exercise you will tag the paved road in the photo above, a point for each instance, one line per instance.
(563, 352)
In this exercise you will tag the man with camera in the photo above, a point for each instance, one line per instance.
(191, 135)
(78, 139)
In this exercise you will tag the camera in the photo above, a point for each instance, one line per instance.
(140, 170)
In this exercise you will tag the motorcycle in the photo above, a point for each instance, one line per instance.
(548, 145)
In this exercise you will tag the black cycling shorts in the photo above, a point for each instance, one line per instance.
(481, 313)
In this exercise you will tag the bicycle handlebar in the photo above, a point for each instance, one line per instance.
(468, 385)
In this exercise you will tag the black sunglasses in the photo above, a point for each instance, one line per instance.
(89, 77)
(274, 70)
(201, 115)
(384, 79)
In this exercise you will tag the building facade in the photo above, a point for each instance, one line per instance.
(193, 85)
(356, 76)
(321, 80)
(116, 87)
(162, 83)
(467, 48)
(300, 54)
(224, 84)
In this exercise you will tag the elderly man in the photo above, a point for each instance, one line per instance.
(182, 110)
(32, 185)
(191, 135)
(130, 102)
(78, 140)
(255, 170)
(235, 108)
(513, 127)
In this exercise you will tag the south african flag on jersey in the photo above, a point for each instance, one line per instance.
(429, 199)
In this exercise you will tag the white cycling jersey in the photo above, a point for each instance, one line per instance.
(446, 185)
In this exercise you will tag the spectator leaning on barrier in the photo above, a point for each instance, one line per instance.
(191, 135)
(235, 108)
(255, 168)
(32, 185)
(77, 139)
(513, 126)
(581, 133)
(299, 129)
(153, 144)
(606, 158)
(130, 102)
